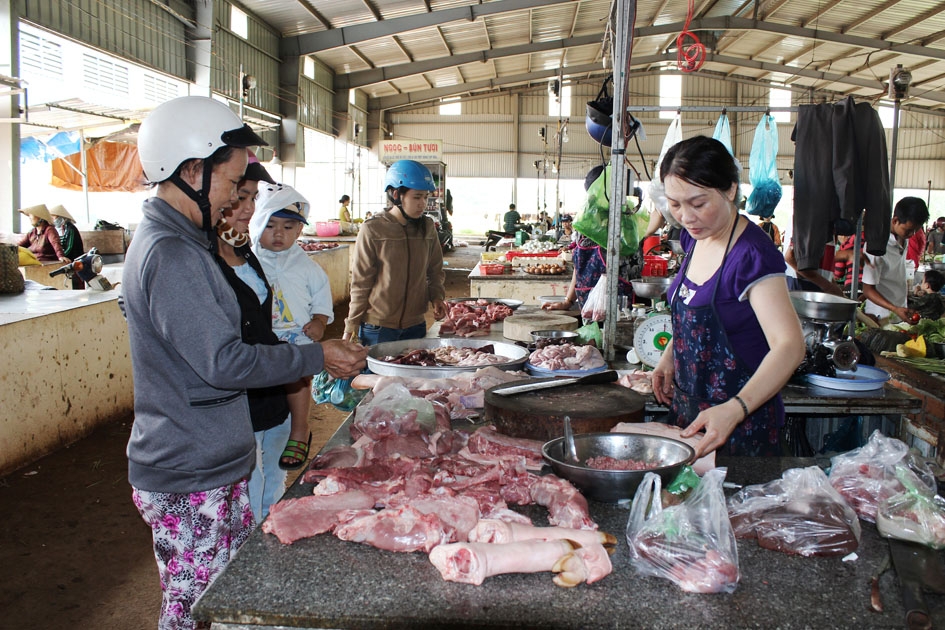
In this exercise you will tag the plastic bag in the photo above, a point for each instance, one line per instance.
(394, 411)
(763, 169)
(591, 333)
(595, 217)
(327, 389)
(916, 515)
(690, 544)
(723, 132)
(657, 192)
(595, 306)
(866, 476)
(799, 513)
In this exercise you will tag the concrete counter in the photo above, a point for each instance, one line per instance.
(67, 370)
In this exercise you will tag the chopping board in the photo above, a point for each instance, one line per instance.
(539, 415)
(520, 327)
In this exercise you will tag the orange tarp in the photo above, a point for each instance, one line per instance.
(112, 166)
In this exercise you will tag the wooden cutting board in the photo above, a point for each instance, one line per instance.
(520, 327)
(539, 415)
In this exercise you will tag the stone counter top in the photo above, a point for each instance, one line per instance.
(324, 582)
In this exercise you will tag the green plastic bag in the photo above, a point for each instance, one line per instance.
(594, 218)
(591, 333)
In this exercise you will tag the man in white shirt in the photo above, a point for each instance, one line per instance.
(884, 277)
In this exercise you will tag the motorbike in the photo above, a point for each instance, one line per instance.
(444, 229)
(87, 267)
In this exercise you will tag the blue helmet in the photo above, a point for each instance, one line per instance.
(409, 174)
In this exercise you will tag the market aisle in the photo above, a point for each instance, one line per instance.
(76, 553)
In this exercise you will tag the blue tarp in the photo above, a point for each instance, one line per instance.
(51, 147)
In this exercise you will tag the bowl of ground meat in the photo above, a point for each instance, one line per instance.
(611, 465)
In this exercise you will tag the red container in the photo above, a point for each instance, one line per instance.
(327, 228)
(650, 243)
(655, 266)
(492, 269)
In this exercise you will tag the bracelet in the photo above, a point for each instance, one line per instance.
(741, 402)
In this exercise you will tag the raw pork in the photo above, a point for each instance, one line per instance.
(471, 563)
(293, 519)
(397, 529)
(702, 464)
(567, 356)
(497, 531)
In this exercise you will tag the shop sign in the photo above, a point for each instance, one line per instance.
(419, 150)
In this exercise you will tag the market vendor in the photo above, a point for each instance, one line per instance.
(42, 239)
(736, 338)
(884, 277)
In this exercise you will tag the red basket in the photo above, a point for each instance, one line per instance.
(512, 254)
(655, 266)
(492, 269)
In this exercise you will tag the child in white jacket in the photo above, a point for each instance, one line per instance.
(302, 304)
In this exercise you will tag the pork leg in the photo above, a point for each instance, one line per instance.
(495, 531)
(589, 564)
(471, 563)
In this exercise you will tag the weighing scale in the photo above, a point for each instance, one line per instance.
(651, 337)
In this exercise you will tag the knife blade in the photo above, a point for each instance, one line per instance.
(919, 568)
(607, 376)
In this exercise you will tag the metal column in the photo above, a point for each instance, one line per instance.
(623, 42)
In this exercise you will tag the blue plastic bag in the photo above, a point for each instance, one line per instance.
(723, 132)
(763, 169)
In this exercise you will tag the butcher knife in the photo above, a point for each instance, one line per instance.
(919, 568)
(607, 376)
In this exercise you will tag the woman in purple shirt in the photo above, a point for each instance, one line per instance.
(736, 338)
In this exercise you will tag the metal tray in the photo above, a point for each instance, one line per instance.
(517, 357)
(863, 379)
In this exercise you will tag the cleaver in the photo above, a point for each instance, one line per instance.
(919, 568)
(607, 376)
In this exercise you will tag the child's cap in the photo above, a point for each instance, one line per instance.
(291, 212)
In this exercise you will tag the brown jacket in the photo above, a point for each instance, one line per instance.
(396, 274)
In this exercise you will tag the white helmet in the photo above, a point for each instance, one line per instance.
(186, 128)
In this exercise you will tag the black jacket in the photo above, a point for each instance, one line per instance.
(268, 406)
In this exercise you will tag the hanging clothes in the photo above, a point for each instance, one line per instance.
(840, 168)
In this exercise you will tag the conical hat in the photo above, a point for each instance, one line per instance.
(60, 211)
(40, 211)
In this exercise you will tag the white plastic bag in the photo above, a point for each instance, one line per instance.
(657, 193)
(595, 307)
(690, 544)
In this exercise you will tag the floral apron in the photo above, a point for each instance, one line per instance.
(588, 260)
(708, 373)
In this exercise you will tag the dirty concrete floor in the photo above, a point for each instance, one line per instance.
(75, 553)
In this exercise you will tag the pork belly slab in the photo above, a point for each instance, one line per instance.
(293, 519)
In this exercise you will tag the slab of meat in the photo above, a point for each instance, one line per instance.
(461, 513)
(497, 531)
(397, 529)
(639, 381)
(487, 441)
(567, 356)
(471, 563)
(566, 506)
(304, 517)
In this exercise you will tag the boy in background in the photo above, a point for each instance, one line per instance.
(302, 304)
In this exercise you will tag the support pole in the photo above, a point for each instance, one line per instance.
(623, 43)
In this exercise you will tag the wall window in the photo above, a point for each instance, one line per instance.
(451, 107)
(103, 74)
(308, 67)
(239, 24)
(780, 98)
(39, 55)
(670, 94)
(565, 105)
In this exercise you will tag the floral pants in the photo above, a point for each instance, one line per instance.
(195, 536)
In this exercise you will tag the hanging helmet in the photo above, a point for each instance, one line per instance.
(599, 120)
(186, 128)
(409, 174)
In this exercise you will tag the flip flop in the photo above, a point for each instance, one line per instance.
(297, 451)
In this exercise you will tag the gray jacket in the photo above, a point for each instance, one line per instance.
(192, 429)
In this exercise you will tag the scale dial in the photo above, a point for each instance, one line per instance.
(651, 338)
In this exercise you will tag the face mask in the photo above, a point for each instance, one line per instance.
(59, 222)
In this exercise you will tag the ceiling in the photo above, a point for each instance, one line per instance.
(407, 53)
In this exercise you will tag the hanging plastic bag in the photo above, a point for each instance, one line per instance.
(656, 190)
(690, 544)
(595, 306)
(723, 132)
(595, 217)
(866, 476)
(916, 515)
(799, 513)
(763, 169)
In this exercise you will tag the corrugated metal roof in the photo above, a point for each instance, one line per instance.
(838, 48)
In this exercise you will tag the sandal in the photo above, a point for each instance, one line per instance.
(297, 454)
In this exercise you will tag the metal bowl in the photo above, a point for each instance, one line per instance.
(554, 336)
(937, 266)
(651, 287)
(822, 306)
(517, 356)
(610, 486)
(551, 299)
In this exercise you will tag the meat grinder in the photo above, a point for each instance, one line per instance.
(824, 321)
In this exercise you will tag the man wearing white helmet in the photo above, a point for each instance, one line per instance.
(192, 447)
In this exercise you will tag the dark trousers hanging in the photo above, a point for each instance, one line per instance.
(840, 169)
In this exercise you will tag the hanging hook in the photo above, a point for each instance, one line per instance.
(724, 111)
